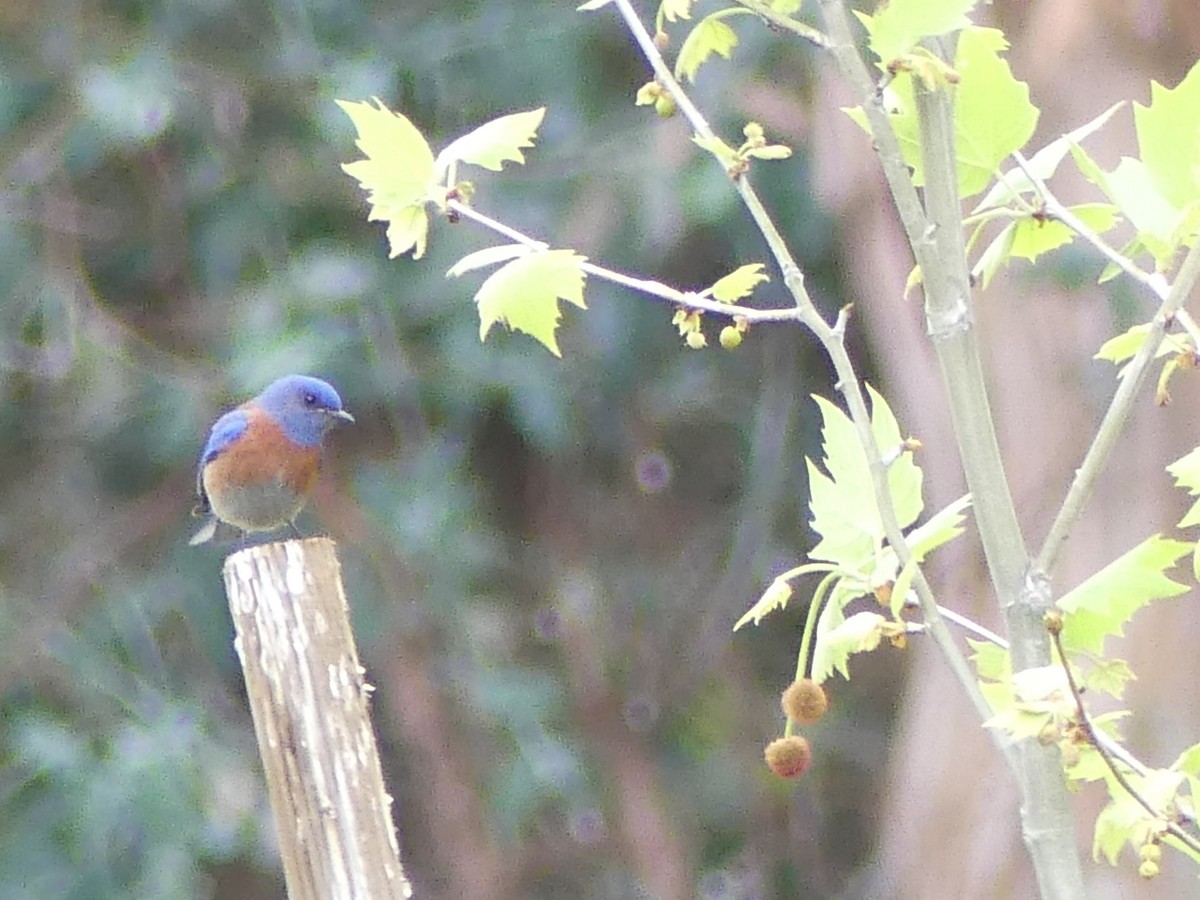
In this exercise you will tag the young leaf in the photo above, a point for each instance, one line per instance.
(488, 256)
(671, 10)
(711, 35)
(524, 294)
(493, 143)
(1168, 133)
(1043, 164)
(397, 173)
(1104, 603)
(738, 283)
(1186, 472)
(904, 475)
(995, 255)
(843, 502)
(860, 633)
(1034, 237)
(992, 113)
(902, 24)
(774, 597)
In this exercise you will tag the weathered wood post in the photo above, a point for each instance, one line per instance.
(311, 716)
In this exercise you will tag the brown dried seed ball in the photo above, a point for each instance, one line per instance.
(788, 757)
(804, 701)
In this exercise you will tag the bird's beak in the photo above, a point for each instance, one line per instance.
(342, 414)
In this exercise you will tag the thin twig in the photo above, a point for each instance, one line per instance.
(778, 20)
(1116, 416)
(651, 288)
(1092, 734)
(832, 338)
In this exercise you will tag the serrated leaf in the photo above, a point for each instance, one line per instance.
(1020, 721)
(524, 294)
(671, 10)
(397, 173)
(1124, 346)
(902, 24)
(842, 503)
(774, 597)
(992, 662)
(1033, 237)
(1104, 603)
(489, 256)
(738, 283)
(904, 475)
(1168, 133)
(1109, 677)
(493, 143)
(941, 528)
(860, 633)
(995, 255)
(1043, 164)
(1186, 472)
(992, 113)
(710, 35)
(1188, 761)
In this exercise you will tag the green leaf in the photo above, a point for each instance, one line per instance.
(774, 597)
(397, 173)
(524, 294)
(1168, 133)
(1124, 346)
(1188, 761)
(995, 255)
(843, 502)
(992, 113)
(941, 528)
(1042, 164)
(787, 7)
(904, 476)
(902, 24)
(992, 662)
(489, 256)
(671, 10)
(1105, 602)
(493, 143)
(860, 633)
(1109, 677)
(1186, 472)
(711, 35)
(1033, 237)
(738, 283)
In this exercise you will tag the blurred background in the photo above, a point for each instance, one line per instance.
(544, 558)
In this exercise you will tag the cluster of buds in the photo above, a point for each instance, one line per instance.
(689, 322)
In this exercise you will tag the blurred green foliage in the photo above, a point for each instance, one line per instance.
(548, 555)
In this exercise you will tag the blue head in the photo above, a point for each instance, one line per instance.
(303, 406)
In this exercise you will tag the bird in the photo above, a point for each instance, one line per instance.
(261, 460)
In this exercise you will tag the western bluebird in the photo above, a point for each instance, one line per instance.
(261, 460)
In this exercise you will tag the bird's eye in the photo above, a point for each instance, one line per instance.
(310, 399)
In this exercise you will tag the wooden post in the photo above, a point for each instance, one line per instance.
(309, 703)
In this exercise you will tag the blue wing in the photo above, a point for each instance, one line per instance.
(225, 431)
